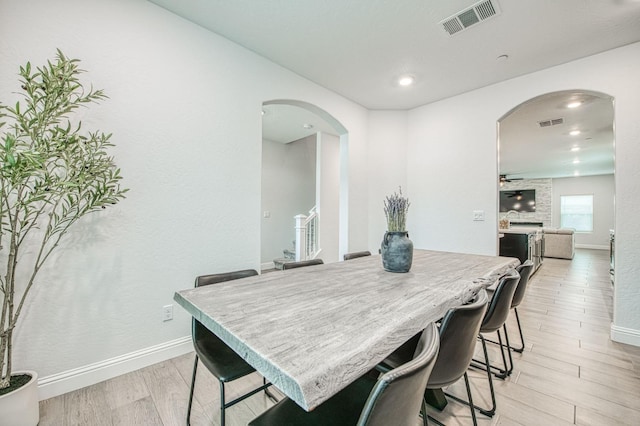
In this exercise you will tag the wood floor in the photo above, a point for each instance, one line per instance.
(569, 373)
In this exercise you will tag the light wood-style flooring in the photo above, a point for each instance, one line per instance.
(570, 372)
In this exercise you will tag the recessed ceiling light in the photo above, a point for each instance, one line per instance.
(575, 104)
(307, 126)
(576, 161)
(575, 149)
(406, 80)
(576, 173)
(574, 132)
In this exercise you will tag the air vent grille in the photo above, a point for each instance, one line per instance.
(485, 10)
(551, 122)
(470, 16)
(452, 26)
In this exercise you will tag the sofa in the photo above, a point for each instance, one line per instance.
(559, 243)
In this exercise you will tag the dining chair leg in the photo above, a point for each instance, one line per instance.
(471, 406)
(426, 417)
(469, 402)
(222, 404)
(506, 336)
(508, 369)
(491, 411)
(487, 364)
(521, 348)
(193, 384)
(502, 374)
(271, 396)
(425, 422)
(438, 423)
(522, 344)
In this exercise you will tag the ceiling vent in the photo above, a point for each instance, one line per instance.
(475, 13)
(552, 122)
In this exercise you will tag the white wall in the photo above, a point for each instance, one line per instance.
(184, 107)
(451, 172)
(387, 160)
(452, 165)
(288, 189)
(328, 196)
(602, 189)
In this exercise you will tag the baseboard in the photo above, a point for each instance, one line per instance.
(624, 335)
(267, 265)
(592, 246)
(67, 381)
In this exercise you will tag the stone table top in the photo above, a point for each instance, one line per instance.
(311, 331)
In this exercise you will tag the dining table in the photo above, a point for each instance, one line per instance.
(312, 331)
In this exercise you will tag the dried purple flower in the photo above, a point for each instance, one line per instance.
(395, 208)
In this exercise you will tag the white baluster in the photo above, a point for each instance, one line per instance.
(301, 237)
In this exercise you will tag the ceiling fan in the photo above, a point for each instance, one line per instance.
(516, 194)
(503, 179)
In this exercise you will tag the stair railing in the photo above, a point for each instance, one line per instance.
(307, 235)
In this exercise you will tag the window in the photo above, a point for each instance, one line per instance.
(576, 211)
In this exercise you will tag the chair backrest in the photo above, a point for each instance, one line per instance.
(300, 264)
(356, 254)
(500, 304)
(396, 399)
(525, 272)
(203, 280)
(458, 334)
(199, 331)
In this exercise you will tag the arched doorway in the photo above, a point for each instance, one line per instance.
(304, 165)
(561, 145)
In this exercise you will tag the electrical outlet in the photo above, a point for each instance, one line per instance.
(167, 313)
(478, 215)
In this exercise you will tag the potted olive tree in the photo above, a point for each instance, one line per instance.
(51, 175)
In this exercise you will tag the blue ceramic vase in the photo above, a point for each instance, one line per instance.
(397, 252)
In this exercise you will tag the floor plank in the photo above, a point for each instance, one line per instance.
(140, 411)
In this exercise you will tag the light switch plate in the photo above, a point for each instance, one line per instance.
(478, 215)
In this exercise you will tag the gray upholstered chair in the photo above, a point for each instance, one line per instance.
(458, 331)
(494, 319)
(356, 254)
(394, 399)
(302, 263)
(525, 273)
(220, 359)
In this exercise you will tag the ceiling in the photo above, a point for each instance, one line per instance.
(286, 123)
(535, 139)
(359, 48)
